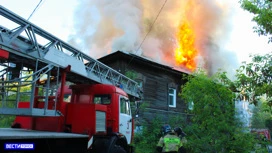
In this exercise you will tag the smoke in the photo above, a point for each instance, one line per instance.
(211, 21)
(103, 26)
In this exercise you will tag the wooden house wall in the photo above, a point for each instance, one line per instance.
(156, 82)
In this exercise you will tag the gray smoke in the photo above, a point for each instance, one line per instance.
(103, 26)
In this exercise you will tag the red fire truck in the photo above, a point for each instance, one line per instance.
(63, 100)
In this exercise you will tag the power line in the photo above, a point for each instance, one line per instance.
(149, 30)
(34, 10)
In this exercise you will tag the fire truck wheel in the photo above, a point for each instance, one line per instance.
(118, 149)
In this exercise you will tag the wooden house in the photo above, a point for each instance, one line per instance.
(160, 84)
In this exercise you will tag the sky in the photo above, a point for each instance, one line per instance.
(58, 18)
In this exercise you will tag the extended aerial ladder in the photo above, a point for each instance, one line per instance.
(30, 55)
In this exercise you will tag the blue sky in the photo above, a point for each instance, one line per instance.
(56, 17)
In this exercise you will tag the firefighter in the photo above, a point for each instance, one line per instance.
(179, 132)
(170, 142)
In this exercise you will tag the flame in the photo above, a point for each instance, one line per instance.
(186, 52)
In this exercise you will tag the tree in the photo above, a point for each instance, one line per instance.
(214, 127)
(261, 116)
(254, 79)
(262, 10)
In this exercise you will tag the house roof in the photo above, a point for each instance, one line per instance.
(140, 59)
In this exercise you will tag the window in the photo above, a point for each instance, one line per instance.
(67, 98)
(191, 105)
(124, 106)
(140, 83)
(102, 99)
(172, 97)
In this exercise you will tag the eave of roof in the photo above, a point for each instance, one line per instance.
(141, 59)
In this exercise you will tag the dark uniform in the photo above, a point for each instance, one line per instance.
(179, 132)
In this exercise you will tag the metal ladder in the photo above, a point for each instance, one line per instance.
(20, 86)
(28, 44)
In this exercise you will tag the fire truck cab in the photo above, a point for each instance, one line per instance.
(103, 110)
(100, 111)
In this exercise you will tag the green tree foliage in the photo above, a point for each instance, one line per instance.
(214, 127)
(268, 124)
(146, 140)
(7, 120)
(254, 79)
(261, 116)
(262, 10)
(131, 74)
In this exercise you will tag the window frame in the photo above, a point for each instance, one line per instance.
(174, 95)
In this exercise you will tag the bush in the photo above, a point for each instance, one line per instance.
(146, 141)
(214, 126)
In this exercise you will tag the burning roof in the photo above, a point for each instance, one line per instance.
(185, 34)
(146, 60)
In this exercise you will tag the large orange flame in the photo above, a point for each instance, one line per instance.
(186, 52)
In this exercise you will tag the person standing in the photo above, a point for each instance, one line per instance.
(179, 132)
(170, 142)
